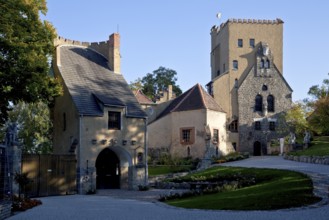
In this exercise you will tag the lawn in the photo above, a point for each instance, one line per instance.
(167, 169)
(274, 189)
(319, 147)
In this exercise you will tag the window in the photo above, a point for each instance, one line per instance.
(114, 121)
(210, 88)
(270, 103)
(240, 43)
(262, 64)
(140, 158)
(215, 136)
(187, 136)
(64, 121)
(267, 64)
(235, 64)
(272, 126)
(258, 126)
(264, 88)
(259, 103)
(218, 72)
(224, 68)
(233, 127)
(252, 43)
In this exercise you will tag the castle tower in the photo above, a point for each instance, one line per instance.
(235, 54)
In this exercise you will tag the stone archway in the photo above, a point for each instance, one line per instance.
(108, 170)
(257, 148)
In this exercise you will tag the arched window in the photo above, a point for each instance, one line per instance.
(270, 103)
(267, 64)
(259, 103)
(262, 64)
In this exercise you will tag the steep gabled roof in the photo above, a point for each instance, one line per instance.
(142, 98)
(89, 81)
(193, 99)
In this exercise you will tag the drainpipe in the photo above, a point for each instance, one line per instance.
(145, 151)
(79, 159)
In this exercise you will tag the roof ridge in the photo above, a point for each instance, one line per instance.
(183, 99)
(202, 95)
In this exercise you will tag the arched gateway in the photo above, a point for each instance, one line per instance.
(108, 170)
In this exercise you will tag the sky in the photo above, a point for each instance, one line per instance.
(176, 34)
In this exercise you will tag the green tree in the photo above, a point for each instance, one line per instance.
(319, 108)
(26, 46)
(34, 126)
(296, 119)
(157, 81)
(319, 118)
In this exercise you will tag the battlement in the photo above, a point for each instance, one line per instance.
(64, 41)
(246, 21)
(109, 49)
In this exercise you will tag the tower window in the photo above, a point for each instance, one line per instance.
(272, 126)
(235, 64)
(259, 103)
(270, 103)
(252, 43)
(233, 127)
(224, 68)
(240, 43)
(267, 64)
(258, 125)
(262, 64)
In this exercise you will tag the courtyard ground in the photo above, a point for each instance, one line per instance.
(120, 205)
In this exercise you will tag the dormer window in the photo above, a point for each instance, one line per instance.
(114, 122)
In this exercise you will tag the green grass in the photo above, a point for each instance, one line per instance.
(275, 189)
(319, 147)
(167, 169)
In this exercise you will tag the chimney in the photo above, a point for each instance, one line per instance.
(170, 93)
(114, 53)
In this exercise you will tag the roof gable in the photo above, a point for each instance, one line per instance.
(193, 99)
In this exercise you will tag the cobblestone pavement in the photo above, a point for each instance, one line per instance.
(122, 205)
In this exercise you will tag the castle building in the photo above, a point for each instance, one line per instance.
(98, 118)
(247, 81)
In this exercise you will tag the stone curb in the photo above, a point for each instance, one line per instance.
(308, 159)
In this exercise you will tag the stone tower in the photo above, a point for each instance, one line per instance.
(246, 58)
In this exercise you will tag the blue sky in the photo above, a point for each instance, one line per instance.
(176, 34)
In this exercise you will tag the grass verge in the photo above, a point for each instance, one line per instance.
(167, 169)
(319, 147)
(274, 189)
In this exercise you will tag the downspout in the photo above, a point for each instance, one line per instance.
(79, 159)
(145, 151)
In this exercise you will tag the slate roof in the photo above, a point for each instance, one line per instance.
(193, 99)
(89, 81)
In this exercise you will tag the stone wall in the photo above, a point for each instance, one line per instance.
(252, 86)
(324, 160)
